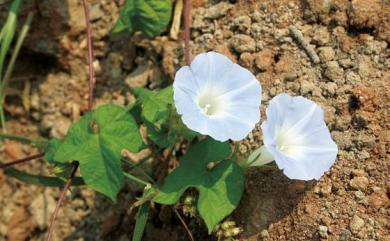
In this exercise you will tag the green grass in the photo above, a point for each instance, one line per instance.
(7, 35)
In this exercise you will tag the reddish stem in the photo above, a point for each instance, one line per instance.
(187, 13)
(90, 55)
(60, 200)
(90, 105)
(26, 159)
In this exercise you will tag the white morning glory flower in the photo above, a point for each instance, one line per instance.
(297, 138)
(216, 97)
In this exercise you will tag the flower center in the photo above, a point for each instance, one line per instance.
(209, 102)
(287, 141)
(209, 106)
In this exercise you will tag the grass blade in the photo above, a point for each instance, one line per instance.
(40, 180)
(8, 33)
(15, 53)
(39, 143)
(141, 219)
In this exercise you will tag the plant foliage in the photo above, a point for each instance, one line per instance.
(149, 16)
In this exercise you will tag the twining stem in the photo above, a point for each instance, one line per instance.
(90, 56)
(25, 159)
(187, 17)
(62, 196)
(184, 224)
(90, 106)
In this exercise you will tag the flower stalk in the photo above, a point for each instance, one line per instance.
(25, 159)
(90, 106)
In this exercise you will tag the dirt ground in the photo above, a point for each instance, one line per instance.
(348, 75)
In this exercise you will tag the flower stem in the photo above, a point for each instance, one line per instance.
(26, 159)
(62, 196)
(187, 12)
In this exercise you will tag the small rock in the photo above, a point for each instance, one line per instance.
(359, 183)
(352, 78)
(326, 54)
(20, 225)
(345, 234)
(358, 173)
(321, 36)
(290, 76)
(356, 224)
(333, 71)
(243, 43)
(139, 77)
(323, 231)
(306, 87)
(264, 234)
(264, 59)
(330, 89)
(95, 12)
(346, 63)
(246, 60)
(366, 14)
(364, 68)
(13, 150)
(359, 195)
(242, 23)
(60, 128)
(218, 10)
(41, 209)
(378, 199)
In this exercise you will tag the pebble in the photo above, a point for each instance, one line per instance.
(326, 54)
(95, 12)
(218, 10)
(345, 234)
(139, 77)
(330, 89)
(243, 43)
(41, 208)
(364, 69)
(264, 59)
(61, 127)
(264, 234)
(246, 60)
(333, 71)
(323, 231)
(359, 195)
(359, 183)
(321, 36)
(242, 23)
(342, 138)
(356, 224)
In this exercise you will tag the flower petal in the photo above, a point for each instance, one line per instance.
(297, 136)
(217, 97)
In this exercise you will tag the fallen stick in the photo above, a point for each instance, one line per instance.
(297, 35)
(174, 33)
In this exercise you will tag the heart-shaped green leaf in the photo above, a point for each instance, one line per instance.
(220, 188)
(155, 104)
(148, 16)
(96, 142)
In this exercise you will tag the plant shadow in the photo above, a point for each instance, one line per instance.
(269, 197)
